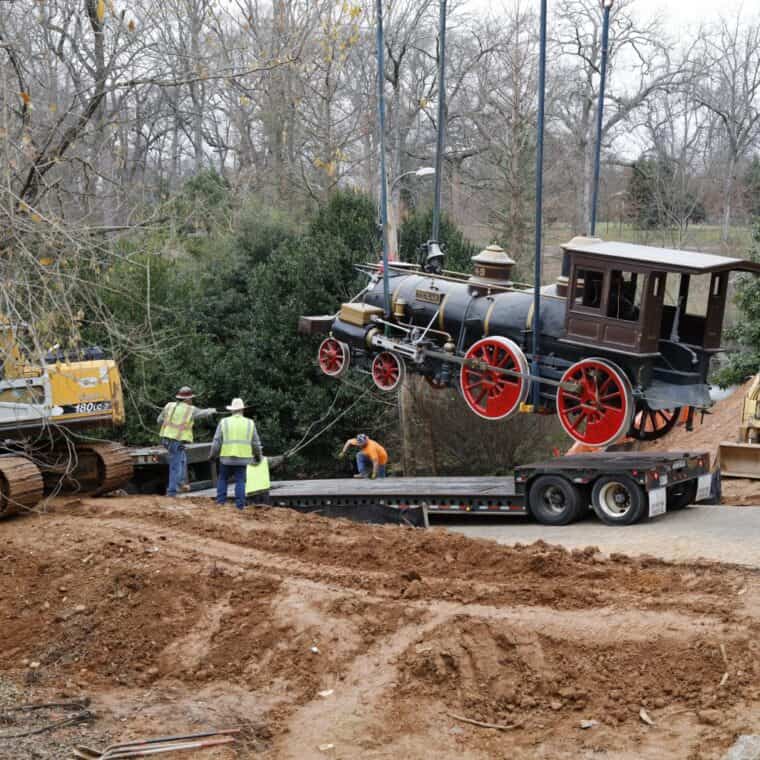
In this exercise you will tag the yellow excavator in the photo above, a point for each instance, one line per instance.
(44, 407)
(741, 459)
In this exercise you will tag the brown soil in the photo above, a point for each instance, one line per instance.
(174, 616)
(721, 424)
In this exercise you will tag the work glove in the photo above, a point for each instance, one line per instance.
(342, 455)
(373, 476)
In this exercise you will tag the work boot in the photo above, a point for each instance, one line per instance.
(185, 488)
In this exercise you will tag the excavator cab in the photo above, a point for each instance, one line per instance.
(41, 402)
(80, 389)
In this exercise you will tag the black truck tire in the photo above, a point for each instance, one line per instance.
(682, 495)
(618, 500)
(553, 500)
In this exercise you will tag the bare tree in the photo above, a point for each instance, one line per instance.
(639, 66)
(730, 89)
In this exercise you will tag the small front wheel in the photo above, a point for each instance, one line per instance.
(555, 501)
(618, 500)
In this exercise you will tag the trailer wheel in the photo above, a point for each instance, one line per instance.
(554, 500)
(618, 500)
(682, 495)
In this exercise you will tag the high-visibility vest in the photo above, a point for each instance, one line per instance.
(178, 422)
(237, 433)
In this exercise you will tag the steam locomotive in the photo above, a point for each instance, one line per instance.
(625, 338)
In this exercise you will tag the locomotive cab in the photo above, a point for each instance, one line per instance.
(638, 299)
(658, 312)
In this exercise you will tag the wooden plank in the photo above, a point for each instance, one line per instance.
(390, 487)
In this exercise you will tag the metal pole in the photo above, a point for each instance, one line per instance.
(536, 396)
(383, 175)
(441, 121)
(607, 6)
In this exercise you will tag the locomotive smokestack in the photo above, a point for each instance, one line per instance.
(492, 266)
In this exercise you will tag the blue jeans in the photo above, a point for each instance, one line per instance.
(177, 465)
(364, 466)
(236, 471)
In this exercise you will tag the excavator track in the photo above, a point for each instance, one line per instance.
(21, 485)
(101, 467)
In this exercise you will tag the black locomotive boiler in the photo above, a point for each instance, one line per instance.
(625, 339)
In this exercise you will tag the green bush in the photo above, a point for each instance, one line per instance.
(223, 318)
(415, 232)
(744, 361)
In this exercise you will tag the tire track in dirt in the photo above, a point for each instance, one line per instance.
(611, 621)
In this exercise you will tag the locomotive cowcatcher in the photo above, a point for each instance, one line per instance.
(625, 338)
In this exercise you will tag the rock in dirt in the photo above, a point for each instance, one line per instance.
(747, 747)
(589, 723)
(709, 717)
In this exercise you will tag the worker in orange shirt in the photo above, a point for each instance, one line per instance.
(371, 459)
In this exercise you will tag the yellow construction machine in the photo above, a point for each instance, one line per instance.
(44, 408)
(742, 459)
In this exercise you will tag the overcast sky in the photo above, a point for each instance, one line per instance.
(685, 12)
(677, 13)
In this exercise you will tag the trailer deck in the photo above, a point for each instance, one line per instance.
(562, 490)
(451, 494)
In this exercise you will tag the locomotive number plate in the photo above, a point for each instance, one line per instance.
(429, 296)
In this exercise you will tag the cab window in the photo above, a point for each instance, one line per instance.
(588, 288)
(625, 294)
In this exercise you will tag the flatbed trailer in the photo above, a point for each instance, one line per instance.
(151, 468)
(621, 487)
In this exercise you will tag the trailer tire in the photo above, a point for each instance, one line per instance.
(682, 495)
(618, 500)
(553, 500)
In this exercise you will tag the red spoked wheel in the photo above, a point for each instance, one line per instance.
(334, 357)
(491, 394)
(599, 411)
(388, 371)
(651, 424)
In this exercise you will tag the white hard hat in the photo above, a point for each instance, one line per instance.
(237, 405)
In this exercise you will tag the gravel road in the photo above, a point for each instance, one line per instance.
(725, 534)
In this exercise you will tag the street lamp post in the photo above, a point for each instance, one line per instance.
(423, 171)
(606, 7)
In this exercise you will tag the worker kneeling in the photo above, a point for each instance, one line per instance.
(237, 444)
(371, 459)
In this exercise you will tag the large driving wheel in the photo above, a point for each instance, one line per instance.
(489, 392)
(388, 371)
(334, 357)
(599, 410)
(651, 424)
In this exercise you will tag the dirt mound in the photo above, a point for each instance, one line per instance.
(720, 424)
(507, 673)
(175, 616)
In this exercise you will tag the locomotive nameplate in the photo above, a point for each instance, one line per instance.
(429, 296)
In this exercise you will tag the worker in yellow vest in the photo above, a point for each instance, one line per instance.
(237, 444)
(176, 420)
